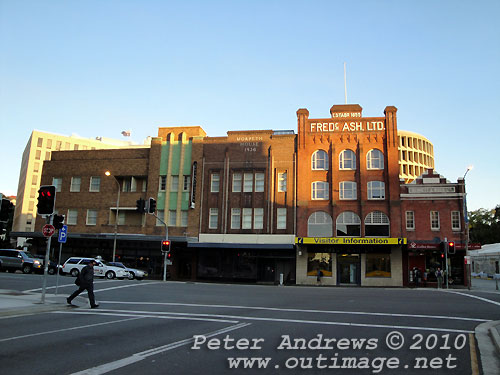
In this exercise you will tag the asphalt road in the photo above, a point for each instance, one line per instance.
(194, 328)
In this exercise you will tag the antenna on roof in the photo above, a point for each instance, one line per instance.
(345, 85)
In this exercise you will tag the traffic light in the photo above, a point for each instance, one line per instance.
(451, 247)
(5, 209)
(141, 205)
(442, 248)
(46, 200)
(169, 255)
(165, 246)
(58, 221)
(151, 206)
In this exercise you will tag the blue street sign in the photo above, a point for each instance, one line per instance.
(63, 234)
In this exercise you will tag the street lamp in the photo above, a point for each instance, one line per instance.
(108, 173)
(466, 222)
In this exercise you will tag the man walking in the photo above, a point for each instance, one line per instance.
(85, 281)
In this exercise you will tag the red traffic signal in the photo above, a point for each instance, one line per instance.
(165, 245)
(46, 200)
(451, 247)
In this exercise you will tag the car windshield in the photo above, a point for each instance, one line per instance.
(28, 254)
(117, 264)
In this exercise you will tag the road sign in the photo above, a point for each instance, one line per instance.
(63, 234)
(48, 230)
(467, 259)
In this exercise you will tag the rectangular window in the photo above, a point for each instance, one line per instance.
(76, 182)
(37, 154)
(47, 155)
(347, 190)
(214, 183)
(133, 184)
(144, 185)
(160, 217)
(75, 147)
(58, 145)
(121, 217)
(36, 167)
(320, 190)
(236, 182)
(435, 220)
(378, 265)
(455, 220)
(213, 219)
(247, 182)
(186, 184)
(410, 220)
(259, 182)
(247, 219)
(235, 218)
(57, 182)
(174, 183)
(39, 142)
(91, 217)
(258, 218)
(95, 184)
(66, 145)
(172, 218)
(184, 218)
(282, 182)
(319, 262)
(376, 190)
(281, 218)
(33, 193)
(49, 143)
(163, 183)
(126, 185)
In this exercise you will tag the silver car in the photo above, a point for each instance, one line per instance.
(133, 272)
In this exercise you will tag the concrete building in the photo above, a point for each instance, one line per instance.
(416, 155)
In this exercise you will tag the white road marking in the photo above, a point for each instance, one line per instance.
(189, 316)
(473, 296)
(300, 310)
(97, 282)
(69, 329)
(107, 367)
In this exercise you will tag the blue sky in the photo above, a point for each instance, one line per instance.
(96, 68)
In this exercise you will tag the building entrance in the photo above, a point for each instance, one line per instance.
(348, 269)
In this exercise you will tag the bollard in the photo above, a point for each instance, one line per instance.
(281, 279)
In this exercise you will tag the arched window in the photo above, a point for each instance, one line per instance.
(319, 160)
(347, 190)
(319, 190)
(348, 225)
(375, 159)
(376, 190)
(347, 160)
(377, 224)
(319, 224)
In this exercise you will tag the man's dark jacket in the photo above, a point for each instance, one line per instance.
(87, 277)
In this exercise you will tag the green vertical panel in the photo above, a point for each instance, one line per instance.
(185, 201)
(173, 201)
(160, 201)
(187, 158)
(176, 157)
(165, 148)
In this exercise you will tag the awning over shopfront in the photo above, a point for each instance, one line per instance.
(214, 245)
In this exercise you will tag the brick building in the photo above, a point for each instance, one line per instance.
(348, 207)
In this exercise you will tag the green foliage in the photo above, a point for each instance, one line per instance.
(484, 225)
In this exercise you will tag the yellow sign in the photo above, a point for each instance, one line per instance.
(348, 241)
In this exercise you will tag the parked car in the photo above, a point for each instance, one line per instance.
(13, 260)
(74, 265)
(134, 273)
(52, 265)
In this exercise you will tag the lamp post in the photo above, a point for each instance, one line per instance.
(466, 222)
(108, 173)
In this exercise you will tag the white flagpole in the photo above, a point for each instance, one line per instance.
(345, 85)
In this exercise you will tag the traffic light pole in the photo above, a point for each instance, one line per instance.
(165, 253)
(46, 265)
(446, 248)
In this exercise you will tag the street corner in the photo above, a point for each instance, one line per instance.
(488, 340)
(19, 303)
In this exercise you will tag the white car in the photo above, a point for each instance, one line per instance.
(74, 265)
(133, 272)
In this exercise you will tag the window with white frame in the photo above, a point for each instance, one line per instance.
(186, 185)
(455, 220)
(375, 159)
(235, 218)
(91, 217)
(126, 184)
(348, 224)
(258, 218)
(214, 182)
(319, 190)
(282, 182)
(247, 182)
(172, 218)
(174, 183)
(76, 183)
(95, 184)
(184, 218)
(237, 182)
(259, 182)
(213, 218)
(57, 182)
(376, 190)
(319, 224)
(281, 218)
(72, 218)
(319, 160)
(435, 220)
(410, 220)
(160, 217)
(347, 190)
(246, 222)
(163, 183)
(377, 224)
(347, 160)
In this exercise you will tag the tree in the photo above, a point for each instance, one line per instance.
(484, 225)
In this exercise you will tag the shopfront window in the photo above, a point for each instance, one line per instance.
(378, 265)
(321, 261)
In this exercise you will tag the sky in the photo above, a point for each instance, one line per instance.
(98, 67)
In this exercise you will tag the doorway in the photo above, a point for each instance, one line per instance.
(348, 269)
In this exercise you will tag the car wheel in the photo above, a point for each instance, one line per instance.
(26, 269)
(131, 276)
(110, 275)
(74, 272)
(52, 271)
